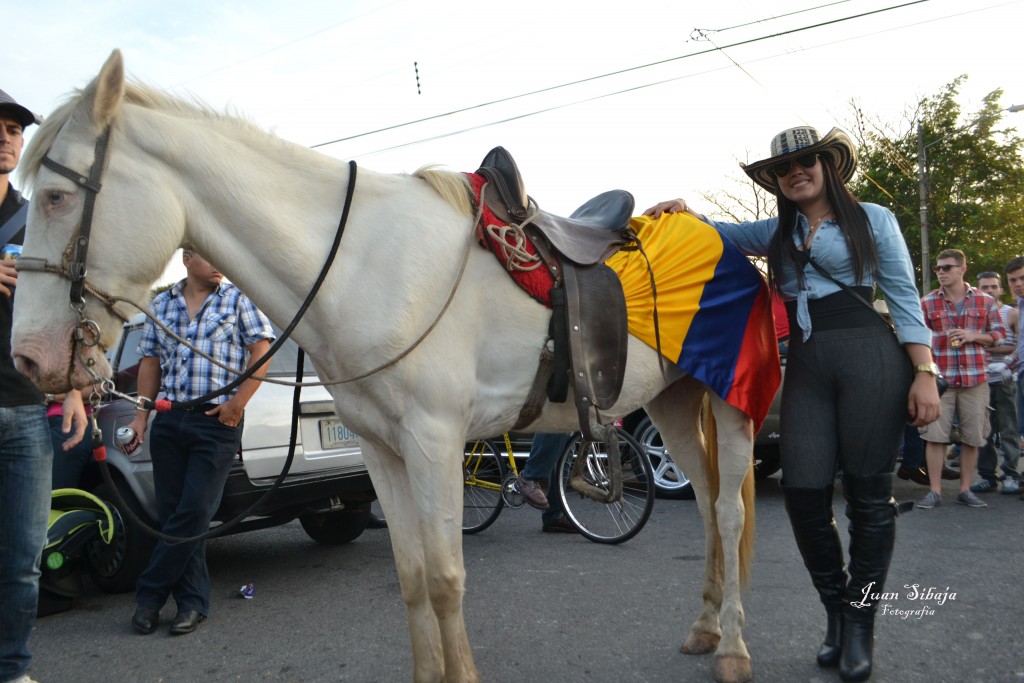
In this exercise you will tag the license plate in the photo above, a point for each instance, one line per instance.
(334, 435)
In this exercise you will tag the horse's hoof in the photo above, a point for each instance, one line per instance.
(700, 643)
(733, 669)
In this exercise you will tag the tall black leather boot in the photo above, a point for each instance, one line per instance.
(872, 513)
(814, 526)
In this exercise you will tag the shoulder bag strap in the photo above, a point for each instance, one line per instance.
(846, 288)
(14, 224)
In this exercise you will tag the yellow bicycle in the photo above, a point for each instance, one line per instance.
(490, 472)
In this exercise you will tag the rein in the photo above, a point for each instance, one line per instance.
(87, 332)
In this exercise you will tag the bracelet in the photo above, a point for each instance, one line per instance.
(50, 398)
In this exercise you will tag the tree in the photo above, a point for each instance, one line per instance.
(750, 202)
(973, 174)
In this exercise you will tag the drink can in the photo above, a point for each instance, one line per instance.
(127, 440)
(10, 251)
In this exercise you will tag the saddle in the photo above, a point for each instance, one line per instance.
(588, 319)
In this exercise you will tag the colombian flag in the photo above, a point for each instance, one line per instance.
(714, 309)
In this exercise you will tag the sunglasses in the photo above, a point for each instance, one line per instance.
(807, 161)
(945, 267)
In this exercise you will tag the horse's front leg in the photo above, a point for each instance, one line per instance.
(437, 492)
(394, 491)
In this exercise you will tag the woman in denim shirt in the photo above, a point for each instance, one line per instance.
(849, 389)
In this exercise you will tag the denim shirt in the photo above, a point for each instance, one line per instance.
(895, 273)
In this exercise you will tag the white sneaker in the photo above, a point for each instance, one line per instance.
(1010, 485)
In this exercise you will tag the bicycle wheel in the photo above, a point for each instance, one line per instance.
(608, 522)
(481, 492)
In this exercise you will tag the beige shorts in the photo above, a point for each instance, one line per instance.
(971, 409)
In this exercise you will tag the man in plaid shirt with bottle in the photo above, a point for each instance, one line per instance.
(964, 322)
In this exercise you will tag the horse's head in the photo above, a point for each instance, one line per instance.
(59, 337)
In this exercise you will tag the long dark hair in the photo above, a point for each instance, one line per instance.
(852, 219)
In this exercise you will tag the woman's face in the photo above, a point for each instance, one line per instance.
(801, 185)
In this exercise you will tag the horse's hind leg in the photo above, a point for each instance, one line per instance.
(719, 493)
(735, 438)
(676, 412)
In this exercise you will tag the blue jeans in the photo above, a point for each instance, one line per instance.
(69, 465)
(544, 454)
(913, 448)
(1005, 434)
(192, 456)
(25, 458)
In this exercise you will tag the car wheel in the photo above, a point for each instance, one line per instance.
(766, 461)
(116, 566)
(336, 528)
(669, 479)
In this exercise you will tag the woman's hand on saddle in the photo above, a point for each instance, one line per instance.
(923, 403)
(671, 206)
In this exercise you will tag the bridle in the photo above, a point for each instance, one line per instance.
(86, 332)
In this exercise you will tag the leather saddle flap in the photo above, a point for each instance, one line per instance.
(598, 332)
(594, 231)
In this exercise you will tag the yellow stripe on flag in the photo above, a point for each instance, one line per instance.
(683, 252)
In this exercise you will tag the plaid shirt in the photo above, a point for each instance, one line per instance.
(226, 325)
(967, 365)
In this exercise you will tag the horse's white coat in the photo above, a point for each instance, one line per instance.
(265, 212)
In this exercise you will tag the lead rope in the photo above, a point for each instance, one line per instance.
(99, 453)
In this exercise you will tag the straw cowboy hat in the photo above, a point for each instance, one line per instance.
(796, 142)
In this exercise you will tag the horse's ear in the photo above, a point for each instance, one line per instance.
(109, 90)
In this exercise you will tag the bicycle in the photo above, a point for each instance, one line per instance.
(489, 486)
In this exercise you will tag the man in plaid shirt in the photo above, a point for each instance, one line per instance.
(964, 322)
(193, 448)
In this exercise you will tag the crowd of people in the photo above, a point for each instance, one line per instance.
(855, 389)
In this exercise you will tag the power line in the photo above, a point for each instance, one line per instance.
(701, 33)
(655, 83)
(610, 74)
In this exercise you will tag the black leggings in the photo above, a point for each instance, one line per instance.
(844, 405)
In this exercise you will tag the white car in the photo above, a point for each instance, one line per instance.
(327, 487)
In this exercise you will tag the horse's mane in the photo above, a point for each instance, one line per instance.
(79, 104)
(453, 187)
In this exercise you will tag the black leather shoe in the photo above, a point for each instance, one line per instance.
(917, 475)
(145, 620)
(186, 622)
(376, 522)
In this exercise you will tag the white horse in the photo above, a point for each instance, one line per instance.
(266, 212)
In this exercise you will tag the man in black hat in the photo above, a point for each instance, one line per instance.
(26, 452)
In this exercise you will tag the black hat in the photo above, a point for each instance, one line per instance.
(17, 112)
(796, 142)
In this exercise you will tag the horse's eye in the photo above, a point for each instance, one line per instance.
(55, 197)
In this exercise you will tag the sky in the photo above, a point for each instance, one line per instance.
(661, 98)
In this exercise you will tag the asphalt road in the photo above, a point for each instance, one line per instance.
(550, 607)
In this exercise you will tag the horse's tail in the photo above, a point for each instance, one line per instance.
(747, 491)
